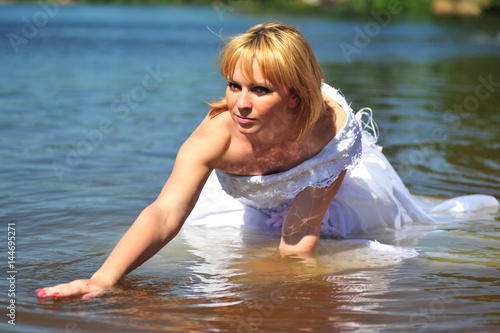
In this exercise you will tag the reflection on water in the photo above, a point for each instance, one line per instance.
(232, 280)
(433, 86)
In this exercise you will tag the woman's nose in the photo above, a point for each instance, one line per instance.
(243, 100)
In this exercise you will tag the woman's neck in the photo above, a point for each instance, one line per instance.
(272, 154)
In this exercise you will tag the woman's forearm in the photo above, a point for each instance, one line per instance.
(152, 230)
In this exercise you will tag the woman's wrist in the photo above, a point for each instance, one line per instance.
(105, 280)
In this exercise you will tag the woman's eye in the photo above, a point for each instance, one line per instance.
(233, 86)
(262, 90)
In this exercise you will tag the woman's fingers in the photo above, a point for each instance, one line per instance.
(74, 288)
(93, 294)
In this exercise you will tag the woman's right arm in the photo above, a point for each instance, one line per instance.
(147, 235)
(158, 223)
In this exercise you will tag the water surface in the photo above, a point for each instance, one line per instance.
(88, 139)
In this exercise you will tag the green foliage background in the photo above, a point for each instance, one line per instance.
(421, 8)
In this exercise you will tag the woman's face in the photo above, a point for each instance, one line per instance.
(262, 109)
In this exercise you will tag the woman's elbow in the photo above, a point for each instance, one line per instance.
(306, 245)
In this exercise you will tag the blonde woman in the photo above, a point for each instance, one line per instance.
(282, 151)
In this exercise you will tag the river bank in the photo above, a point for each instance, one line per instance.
(424, 8)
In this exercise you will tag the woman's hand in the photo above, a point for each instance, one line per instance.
(87, 288)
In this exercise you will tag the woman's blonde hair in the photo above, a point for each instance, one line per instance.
(286, 59)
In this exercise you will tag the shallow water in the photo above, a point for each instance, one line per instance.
(88, 139)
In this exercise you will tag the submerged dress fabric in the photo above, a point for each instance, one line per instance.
(372, 194)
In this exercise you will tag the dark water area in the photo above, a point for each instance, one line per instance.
(95, 102)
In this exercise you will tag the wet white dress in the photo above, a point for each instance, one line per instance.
(371, 195)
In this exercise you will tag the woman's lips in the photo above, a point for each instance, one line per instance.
(244, 120)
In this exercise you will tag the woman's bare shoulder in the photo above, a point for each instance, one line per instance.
(210, 140)
(339, 115)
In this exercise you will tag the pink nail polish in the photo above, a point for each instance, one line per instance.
(86, 297)
(42, 293)
(38, 290)
(55, 294)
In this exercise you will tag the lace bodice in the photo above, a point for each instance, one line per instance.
(276, 191)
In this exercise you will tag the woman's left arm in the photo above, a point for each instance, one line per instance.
(302, 225)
